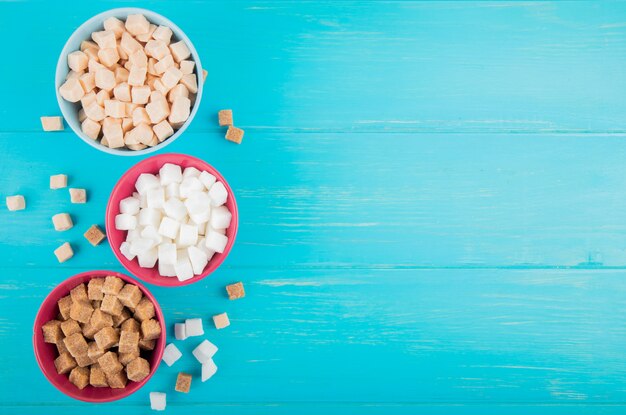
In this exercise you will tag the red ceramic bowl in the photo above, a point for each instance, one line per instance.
(46, 352)
(125, 188)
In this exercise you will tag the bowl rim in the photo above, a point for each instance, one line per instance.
(62, 69)
(60, 290)
(110, 220)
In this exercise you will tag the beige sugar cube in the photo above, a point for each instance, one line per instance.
(71, 90)
(187, 67)
(162, 130)
(180, 51)
(129, 44)
(138, 58)
(92, 54)
(138, 369)
(183, 383)
(144, 37)
(105, 79)
(58, 181)
(140, 94)
(204, 74)
(87, 81)
(130, 139)
(136, 24)
(158, 85)
(234, 134)
(115, 25)
(154, 141)
(140, 116)
(127, 123)
(163, 33)
(78, 195)
(151, 68)
(91, 128)
(88, 44)
(122, 53)
(137, 76)
(164, 64)
(89, 97)
(114, 108)
(130, 107)
(62, 222)
(180, 110)
(121, 74)
(225, 117)
(81, 115)
(108, 56)
(136, 147)
(94, 65)
(121, 92)
(77, 61)
(235, 291)
(73, 75)
(52, 123)
(221, 321)
(112, 131)
(64, 252)
(102, 96)
(171, 77)
(94, 111)
(16, 202)
(190, 82)
(179, 90)
(157, 49)
(104, 39)
(95, 235)
(142, 133)
(158, 110)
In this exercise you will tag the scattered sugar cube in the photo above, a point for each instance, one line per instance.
(78, 195)
(218, 194)
(52, 123)
(225, 117)
(193, 327)
(215, 241)
(235, 291)
(171, 354)
(180, 331)
(125, 222)
(234, 134)
(58, 181)
(95, 235)
(16, 202)
(208, 370)
(62, 222)
(183, 383)
(205, 351)
(158, 401)
(221, 321)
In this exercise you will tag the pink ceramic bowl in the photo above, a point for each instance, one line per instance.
(46, 352)
(126, 186)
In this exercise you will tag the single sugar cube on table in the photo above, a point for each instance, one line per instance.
(218, 194)
(208, 370)
(16, 202)
(205, 351)
(64, 252)
(180, 332)
(234, 134)
(235, 291)
(52, 123)
(62, 222)
(183, 383)
(94, 235)
(171, 354)
(225, 118)
(193, 327)
(158, 401)
(221, 321)
(58, 181)
(78, 195)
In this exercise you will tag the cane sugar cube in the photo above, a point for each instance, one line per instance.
(148, 258)
(106, 338)
(208, 370)
(79, 294)
(115, 25)
(218, 194)
(180, 110)
(137, 76)
(105, 79)
(112, 285)
(109, 363)
(94, 235)
(64, 252)
(184, 270)
(131, 325)
(65, 304)
(129, 342)
(78, 195)
(198, 259)
(64, 363)
(235, 291)
(81, 311)
(72, 90)
(147, 344)
(125, 250)
(116, 380)
(168, 226)
(162, 130)
(121, 318)
(77, 61)
(108, 56)
(58, 181)
(79, 376)
(16, 202)
(94, 352)
(97, 378)
(225, 117)
(130, 295)
(183, 383)
(110, 304)
(158, 401)
(144, 310)
(76, 344)
(99, 320)
(138, 369)
(146, 182)
(52, 123)
(114, 108)
(69, 327)
(205, 351)
(94, 289)
(221, 321)
(83, 360)
(52, 331)
(220, 217)
(126, 358)
(234, 134)
(187, 235)
(125, 222)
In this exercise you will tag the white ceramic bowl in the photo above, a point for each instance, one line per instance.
(70, 110)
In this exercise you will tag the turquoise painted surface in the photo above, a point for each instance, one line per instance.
(431, 195)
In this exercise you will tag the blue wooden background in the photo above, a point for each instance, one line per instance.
(432, 206)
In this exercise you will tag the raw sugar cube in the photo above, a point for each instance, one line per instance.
(69, 327)
(144, 310)
(64, 363)
(52, 123)
(225, 117)
(147, 344)
(130, 295)
(208, 370)
(110, 304)
(116, 380)
(81, 311)
(79, 293)
(126, 358)
(138, 369)
(94, 352)
(180, 332)
(65, 304)
(76, 344)
(58, 181)
(106, 338)
(150, 329)
(52, 332)
(112, 285)
(64, 252)
(94, 289)
(205, 351)
(97, 378)
(218, 194)
(125, 222)
(79, 376)
(62, 222)
(235, 291)
(78, 195)
(121, 318)
(109, 363)
(171, 354)
(158, 401)
(215, 241)
(131, 325)
(16, 202)
(183, 383)
(94, 235)
(221, 321)
(220, 217)
(193, 327)
(234, 134)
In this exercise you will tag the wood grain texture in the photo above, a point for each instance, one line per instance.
(430, 195)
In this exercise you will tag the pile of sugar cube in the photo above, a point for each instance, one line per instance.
(135, 84)
(177, 218)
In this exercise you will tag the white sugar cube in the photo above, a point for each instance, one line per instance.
(169, 227)
(202, 246)
(130, 205)
(202, 217)
(190, 185)
(175, 209)
(198, 202)
(207, 179)
(171, 354)
(16, 202)
(145, 182)
(220, 217)
(125, 222)
(170, 173)
(156, 198)
(218, 194)
(205, 351)
(150, 232)
(184, 271)
(149, 216)
(191, 172)
(193, 327)
(158, 401)
(208, 370)
(180, 331)
(147, 259)
(187, 235)
(198, 259)
(125, 250)
(172, 191)
(133, 234)
(216, 241)
(167, 254)
(141, 245)
(166, 270)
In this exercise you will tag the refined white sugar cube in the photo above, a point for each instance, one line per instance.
(220, 217)
(172, 191)
(141, 245)
(167, 254)
(166, 270)
(156, 198)
(193, 327)
(202, 217)
(145, 182)
(208, 370)
(16, 202)
(175, 209)
(148, 216)
(191, 172)
(180, 332)
(158, 401)
(150, 232)
(216, 241)
(218, 194)
(125, 222)
(207, 179)
(184, 271)
(187, 235)
(202, 246)
(133, 234)
(169, 227)
(170, 173)
(198, 202)
(130, 205)
(205, 351)
(198, 259)
(125, 250)
(171, 354)
(147, 259)
(190, 185)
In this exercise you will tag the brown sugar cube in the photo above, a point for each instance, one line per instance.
(225, 117)
(221, 321)
(64, 363)
(150, 329)
(65, 304)
(97, 378)
(52, 332)
(235, 291)
(79, 376)
(234, 134)
(64, 252)
(81, 311)
(89, 331)
(183, 382)
(106, 338)
(109, 362)
(96, 304)
(131, 325)
(61, 348)
(70, 327)
(94, 352)
(112, 285)
(79, 294)
(116, 380)
(130, 295)
(129, 342)
(138, 369)
(58, 181)
(84, 360)
(144, 310)
(147, 344)
(76, 344)
(94, 289)
(99, 320)
(126, 358)
(118, 320)
(95, 235)
(110, 304)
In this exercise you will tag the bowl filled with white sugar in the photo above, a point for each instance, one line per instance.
(171, 219)
(128, 81)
